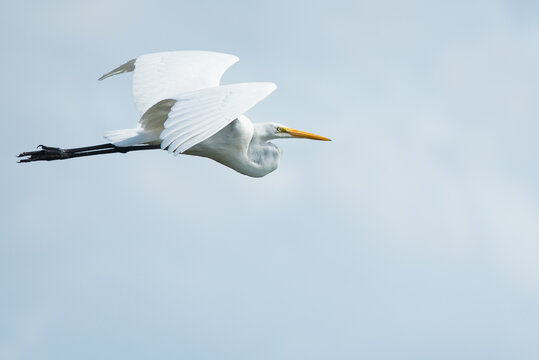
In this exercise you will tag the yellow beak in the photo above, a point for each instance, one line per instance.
(304, 134)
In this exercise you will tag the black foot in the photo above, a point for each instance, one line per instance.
(46, 153)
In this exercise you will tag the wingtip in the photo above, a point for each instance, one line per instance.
(127, 67)
(107, 75)
(270, 87)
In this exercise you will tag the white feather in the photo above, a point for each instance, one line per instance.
(128, 137)
(162, 76)
(158, 78)
(198, 115)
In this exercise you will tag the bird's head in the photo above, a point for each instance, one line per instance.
(270, 131)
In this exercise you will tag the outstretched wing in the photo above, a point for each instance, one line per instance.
(198, 115)
(163, 75)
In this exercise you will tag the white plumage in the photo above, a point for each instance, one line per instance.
(184, 110)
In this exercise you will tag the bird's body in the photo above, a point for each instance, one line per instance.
(185, 111)
(240, 146)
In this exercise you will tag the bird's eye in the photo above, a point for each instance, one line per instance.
(280, 129)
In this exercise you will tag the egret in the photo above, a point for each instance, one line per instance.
(185, 111)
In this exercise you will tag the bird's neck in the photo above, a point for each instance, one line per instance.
(263, 157)
(253, 154)
(256, 160)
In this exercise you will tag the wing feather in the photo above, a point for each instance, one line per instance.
(154, 118)
(207, 111)
(163, 75)
(191, 123)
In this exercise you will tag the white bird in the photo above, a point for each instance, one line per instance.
(185, 111)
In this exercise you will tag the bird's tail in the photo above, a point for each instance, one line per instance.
(129, 137)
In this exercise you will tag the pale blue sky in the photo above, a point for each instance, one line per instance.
(413, 235)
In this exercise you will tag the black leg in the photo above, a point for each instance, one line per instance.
(47, 153)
